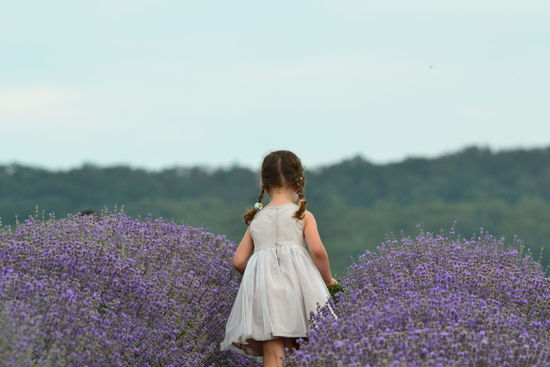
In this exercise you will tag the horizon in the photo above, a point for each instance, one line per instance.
(212, 168)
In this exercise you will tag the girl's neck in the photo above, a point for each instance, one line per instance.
(277, 203)
(279, 196)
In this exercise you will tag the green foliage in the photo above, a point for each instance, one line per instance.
(333, 289)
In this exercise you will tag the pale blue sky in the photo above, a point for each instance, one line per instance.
(157, 83)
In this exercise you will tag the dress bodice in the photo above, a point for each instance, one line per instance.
(274, 226)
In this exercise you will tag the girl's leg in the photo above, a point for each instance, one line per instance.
(291, 344)
(273, 351)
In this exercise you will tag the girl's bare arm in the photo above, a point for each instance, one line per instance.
(243, 252)
(316, 248)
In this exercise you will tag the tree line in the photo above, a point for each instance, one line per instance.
(356, 202)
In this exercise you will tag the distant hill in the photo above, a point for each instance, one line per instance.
(356, 202)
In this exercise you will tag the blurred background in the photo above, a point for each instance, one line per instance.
(404, 113)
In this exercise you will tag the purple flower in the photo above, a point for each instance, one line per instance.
(114, 292)
(434, 300)
(117, 291)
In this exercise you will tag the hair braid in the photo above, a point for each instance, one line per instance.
(252, 212)
(300, 190)
(261, 195)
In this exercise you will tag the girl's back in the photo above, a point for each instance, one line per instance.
(274, 226)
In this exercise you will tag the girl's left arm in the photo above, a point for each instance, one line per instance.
(243, 252)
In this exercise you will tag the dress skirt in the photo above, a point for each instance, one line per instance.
(279, 289)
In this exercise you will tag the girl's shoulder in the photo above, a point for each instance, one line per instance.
(309, 218)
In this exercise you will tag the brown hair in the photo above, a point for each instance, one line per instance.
(281, 168)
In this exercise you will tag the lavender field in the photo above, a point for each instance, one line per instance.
(110, 290)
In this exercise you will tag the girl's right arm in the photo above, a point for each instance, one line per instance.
(316, 249)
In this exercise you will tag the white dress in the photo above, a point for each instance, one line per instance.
(280, 285)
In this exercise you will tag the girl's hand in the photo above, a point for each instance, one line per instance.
(334, 287)
(332, 282)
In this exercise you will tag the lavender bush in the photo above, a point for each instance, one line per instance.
(436, 301)
(114, 291)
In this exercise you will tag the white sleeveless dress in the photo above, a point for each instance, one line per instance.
(280, 285)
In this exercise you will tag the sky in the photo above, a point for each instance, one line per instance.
(159, 83)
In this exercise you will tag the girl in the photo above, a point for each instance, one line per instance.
(281, 282)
